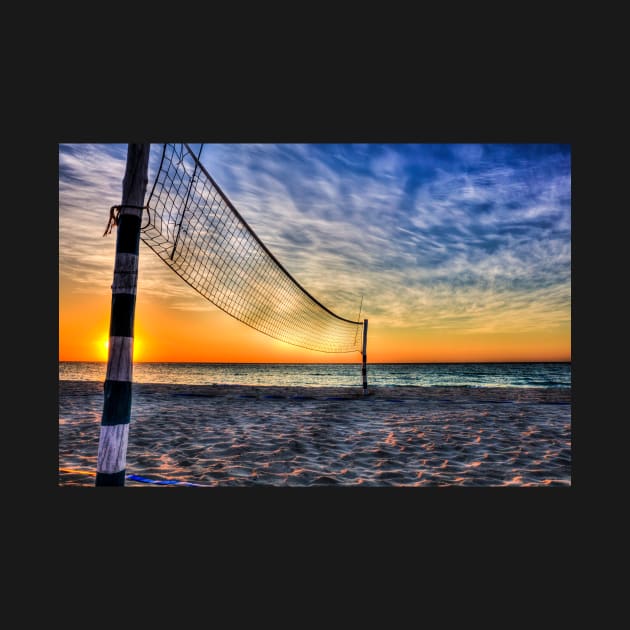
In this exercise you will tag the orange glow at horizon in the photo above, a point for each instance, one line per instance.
(212, 336)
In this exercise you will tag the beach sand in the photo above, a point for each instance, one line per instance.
(231, 435)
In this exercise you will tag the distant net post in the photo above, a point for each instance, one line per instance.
(112, 447)
(364, 353)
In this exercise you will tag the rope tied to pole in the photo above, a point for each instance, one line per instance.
(114, 215)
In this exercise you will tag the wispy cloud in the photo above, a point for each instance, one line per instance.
(466, 237)
(90, 182)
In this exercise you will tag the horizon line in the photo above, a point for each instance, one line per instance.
(322, 362)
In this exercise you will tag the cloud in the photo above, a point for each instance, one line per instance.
(90, 182)
(438, 236)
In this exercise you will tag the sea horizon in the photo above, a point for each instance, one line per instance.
(547, 374)
(322, 362)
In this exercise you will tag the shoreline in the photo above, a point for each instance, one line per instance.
(557, 395)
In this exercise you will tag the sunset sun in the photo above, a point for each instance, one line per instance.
(102, 346)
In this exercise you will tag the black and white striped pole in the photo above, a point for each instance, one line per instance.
(364, 353)
(112, 447)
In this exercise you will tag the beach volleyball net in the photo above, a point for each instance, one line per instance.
(194, 228)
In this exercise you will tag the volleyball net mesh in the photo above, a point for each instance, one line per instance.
(194, 228)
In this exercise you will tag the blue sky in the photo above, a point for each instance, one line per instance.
(441, 237)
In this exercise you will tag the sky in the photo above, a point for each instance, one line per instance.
(459, 252)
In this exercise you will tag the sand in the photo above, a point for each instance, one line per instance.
(231, 435)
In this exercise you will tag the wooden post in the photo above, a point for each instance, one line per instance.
(364, 369)
(112, 447)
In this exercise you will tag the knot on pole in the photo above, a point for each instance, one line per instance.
(114, 215)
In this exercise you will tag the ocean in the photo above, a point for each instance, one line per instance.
(336, 374)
